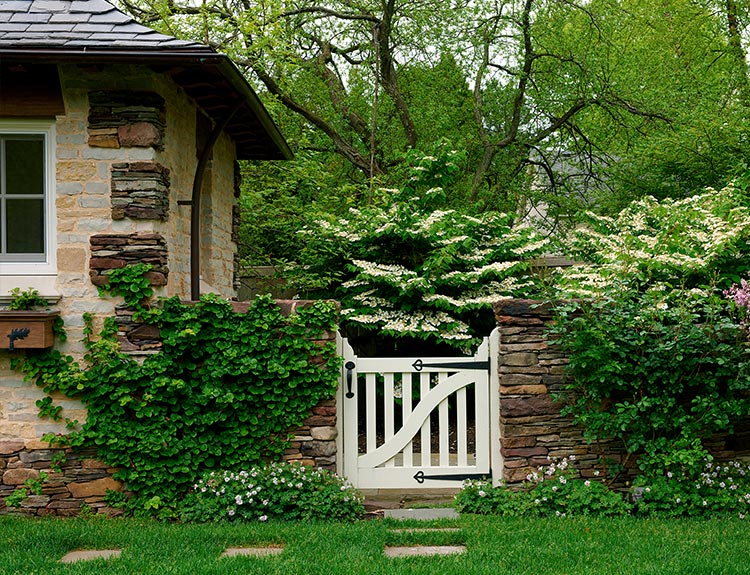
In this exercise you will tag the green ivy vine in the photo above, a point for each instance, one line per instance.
(131, 283)
(26, 300)
(222, 393)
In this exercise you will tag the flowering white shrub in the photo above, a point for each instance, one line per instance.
(404, 266)
(551, 490)
(277, 490)
(716, 488)
(660, 244)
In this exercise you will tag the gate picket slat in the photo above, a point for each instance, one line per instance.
(406, 408)
(371, 414)
(419, 416)
(388, 398)
(461, 440)
(425, 458)
(443, 427)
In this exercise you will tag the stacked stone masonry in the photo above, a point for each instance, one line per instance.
(115, 251)
(74, 480)
(140, 190)
(314, 442)
(236, 221)
(532, 430)
(126, 119)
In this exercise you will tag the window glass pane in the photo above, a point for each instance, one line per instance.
(25, 226)
(24, 166)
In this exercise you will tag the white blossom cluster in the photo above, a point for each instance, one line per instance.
(395, 320)
(419, 271)
(664, 240)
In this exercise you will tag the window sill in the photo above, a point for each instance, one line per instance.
(44, 284)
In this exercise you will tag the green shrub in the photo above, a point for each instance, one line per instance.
(716, 488)
(479, 496)
(693, 242)
(557, 490)
(553, 490)
(658, 347)
(284, 491)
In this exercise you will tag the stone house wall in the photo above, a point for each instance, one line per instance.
(125, 156)
(82, 481)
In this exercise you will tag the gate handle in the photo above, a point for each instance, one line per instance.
(349, 365)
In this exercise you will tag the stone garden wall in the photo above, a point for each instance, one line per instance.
(531, 371)
(531, 427)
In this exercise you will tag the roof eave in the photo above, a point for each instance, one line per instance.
(186, 57)
(232, 73)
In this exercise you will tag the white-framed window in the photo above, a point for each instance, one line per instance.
(27, 202)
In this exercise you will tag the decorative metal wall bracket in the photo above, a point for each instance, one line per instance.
(15, 334)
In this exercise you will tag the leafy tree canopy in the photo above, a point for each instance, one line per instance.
(558, 106)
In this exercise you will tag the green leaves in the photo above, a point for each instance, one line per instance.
(224, 390)
(27, 299)
(661, 371)
(131, 283)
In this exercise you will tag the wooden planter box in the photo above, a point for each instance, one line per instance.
(38, 324)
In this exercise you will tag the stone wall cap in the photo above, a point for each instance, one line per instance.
(288, 306)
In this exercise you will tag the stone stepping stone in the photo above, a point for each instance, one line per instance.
(422, 514)
(90, 555)
(424, 550)
(427, 530)
(251, 551)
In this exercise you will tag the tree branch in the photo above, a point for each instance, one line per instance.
(341, 146)
(388, 72)
(327, 12)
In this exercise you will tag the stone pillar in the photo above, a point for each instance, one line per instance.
(532, 431)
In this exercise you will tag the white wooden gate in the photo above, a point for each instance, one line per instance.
(414, 423)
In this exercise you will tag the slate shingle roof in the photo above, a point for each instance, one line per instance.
(80, 24)
(94, 31)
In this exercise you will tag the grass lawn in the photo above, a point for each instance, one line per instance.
(495, 546)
